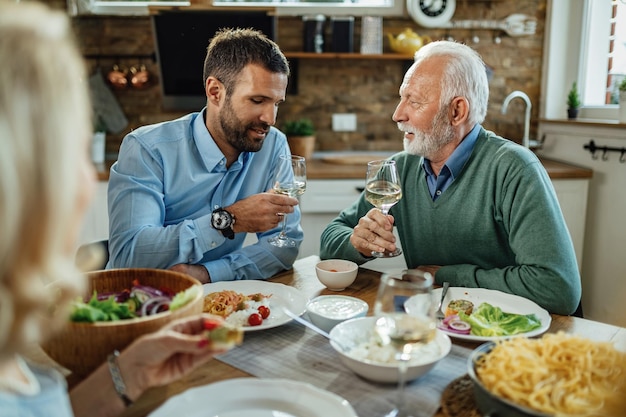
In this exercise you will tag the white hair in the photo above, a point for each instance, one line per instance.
(45, 120)
(464, 75)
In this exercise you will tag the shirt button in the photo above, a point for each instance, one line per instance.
(438, 192)
(215, 207)
(213, 244)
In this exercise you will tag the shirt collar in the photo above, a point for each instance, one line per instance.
(211, 154)
(456, 161)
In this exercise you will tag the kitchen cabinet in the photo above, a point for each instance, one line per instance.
(572, 195)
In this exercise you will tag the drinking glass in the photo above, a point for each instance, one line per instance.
(405, 330)
(290, 180)
(382, 189)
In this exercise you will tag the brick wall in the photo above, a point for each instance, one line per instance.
(368, 88)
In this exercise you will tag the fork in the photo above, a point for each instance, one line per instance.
(439, 314)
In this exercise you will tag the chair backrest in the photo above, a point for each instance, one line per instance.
(93, 256)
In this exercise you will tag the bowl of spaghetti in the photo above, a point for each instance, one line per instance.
(557, 374)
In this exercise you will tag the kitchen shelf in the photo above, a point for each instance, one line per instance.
(346, 55)
(297, 56)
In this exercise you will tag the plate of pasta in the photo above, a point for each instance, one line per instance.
(557, 374)
(493, 315)
(253, 305)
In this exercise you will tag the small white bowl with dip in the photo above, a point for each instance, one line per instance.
(326, 311)
(336, 274)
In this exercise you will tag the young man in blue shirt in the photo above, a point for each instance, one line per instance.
(184, 193)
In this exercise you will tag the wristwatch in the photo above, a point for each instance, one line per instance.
(223, 221)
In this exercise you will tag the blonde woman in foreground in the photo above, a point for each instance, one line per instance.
(46, 182)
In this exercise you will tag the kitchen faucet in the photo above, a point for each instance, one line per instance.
(523, 96)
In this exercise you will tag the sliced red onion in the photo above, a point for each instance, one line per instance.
(145, 293)
(449, 318)
(146, 308)
(459, 326)
(160, 306)
(454, 324)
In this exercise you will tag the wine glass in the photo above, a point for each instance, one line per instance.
(404, 329)
(382, 189)
(290, 180)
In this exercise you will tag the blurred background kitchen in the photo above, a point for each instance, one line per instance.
(535, 47)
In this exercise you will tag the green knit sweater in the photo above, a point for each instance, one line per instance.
(498, 226)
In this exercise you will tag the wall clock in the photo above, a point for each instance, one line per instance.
(431, 13)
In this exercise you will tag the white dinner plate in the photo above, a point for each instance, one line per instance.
(509, 303)
(256, 397)
(283, 296)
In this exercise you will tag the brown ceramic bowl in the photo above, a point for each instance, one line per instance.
(82, 347)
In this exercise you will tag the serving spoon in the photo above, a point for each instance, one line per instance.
(313, 327)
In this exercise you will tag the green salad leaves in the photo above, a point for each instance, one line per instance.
(100, 310)
(489, 321)
(184, 297)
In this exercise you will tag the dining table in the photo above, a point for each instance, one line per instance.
(293, 351)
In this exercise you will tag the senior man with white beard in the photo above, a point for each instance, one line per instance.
(477, 210)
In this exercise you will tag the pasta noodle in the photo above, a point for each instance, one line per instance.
(558, 374)
(223, 303)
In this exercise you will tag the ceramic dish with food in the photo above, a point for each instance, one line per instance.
(355, 342)
(557, 374)
(508, 303)
(327, 311)
(276, 297)
(336, 274)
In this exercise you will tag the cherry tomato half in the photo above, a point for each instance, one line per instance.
(210, 324)
(255, 319)
(264, 311)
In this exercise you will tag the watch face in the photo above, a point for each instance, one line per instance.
(221, 220)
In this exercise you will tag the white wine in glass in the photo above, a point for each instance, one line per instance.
(382, 189)
(405, 330)
(290, 179)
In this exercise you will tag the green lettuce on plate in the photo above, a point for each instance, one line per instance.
(490, 321)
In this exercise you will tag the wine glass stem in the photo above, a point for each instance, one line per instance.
(283, 231)
(402, 368)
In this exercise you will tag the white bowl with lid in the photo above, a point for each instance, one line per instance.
(326, 311)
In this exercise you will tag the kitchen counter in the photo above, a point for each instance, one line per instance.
(352, 165)
(339, 168)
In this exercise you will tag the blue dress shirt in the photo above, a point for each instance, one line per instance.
(168, 179)
(453, 166)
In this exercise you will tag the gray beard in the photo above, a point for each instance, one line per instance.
(428, 144)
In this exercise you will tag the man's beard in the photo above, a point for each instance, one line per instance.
(236, 133)
(428, 144)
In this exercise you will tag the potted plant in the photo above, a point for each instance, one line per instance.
(573, 102)
(300, 136)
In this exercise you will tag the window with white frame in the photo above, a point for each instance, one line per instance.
(617, 51)
(586, 43)
(603, 58)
